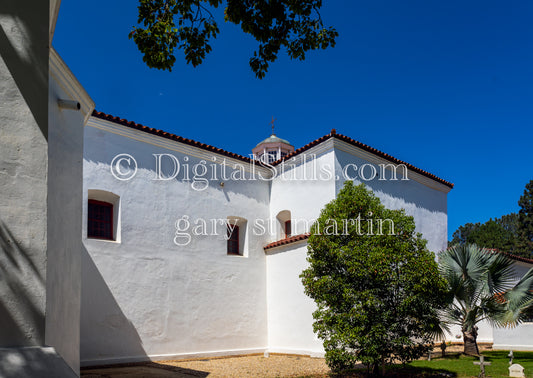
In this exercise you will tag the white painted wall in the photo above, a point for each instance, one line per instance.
(40, 206)
(23, 172)
(146, 296)
(421, 198)
(290, 311)
(304, 189)
(517, 338)
(65, 180)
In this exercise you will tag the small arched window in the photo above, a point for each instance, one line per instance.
(284, 219)
(236, 236)
(103, 215)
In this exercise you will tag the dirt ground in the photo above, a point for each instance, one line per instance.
(237, 367)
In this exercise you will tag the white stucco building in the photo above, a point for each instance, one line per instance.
(165, 282)
(113, 234)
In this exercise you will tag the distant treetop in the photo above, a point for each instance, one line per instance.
(512, 233)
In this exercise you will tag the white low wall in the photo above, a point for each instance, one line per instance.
(290, 311)
(518, 338)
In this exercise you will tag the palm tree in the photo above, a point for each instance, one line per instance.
(483, 286)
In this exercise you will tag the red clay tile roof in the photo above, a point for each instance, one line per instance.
(164, 134)
(332, 134)
(511, 256)
(285, 241)
(363, 146)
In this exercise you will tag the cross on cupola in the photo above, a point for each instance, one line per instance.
(272, 124)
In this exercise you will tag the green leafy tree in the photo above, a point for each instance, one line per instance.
(493, 234)
(376, 286)
(482, 286)
(499, 233)
(509, 223)
(462, 234)
(525, 222)
(189, 25)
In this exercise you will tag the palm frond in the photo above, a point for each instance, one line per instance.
(481, 283)
(518, 299)
(500, 274)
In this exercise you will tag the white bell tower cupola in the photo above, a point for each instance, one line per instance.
(272, 148)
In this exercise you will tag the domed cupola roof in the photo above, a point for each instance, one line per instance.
(274, 139)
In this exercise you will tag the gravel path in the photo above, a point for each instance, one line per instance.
(238, 367)
(235, 367)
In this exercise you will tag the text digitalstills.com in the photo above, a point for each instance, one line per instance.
(168, 167)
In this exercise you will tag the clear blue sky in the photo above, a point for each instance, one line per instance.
(446, 86)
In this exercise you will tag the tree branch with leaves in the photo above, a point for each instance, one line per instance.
(377, 292)
(189, 25)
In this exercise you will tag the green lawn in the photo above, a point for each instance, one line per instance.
(453, 365)
(456, 365)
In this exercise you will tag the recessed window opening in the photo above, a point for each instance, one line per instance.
(103, 215)
(100, 220)
(233, 240)
(284, 224)
(236, 236)
(288, 232)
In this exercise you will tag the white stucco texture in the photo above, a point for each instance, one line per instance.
(65, 182)
(165, 298)
(426, 204)
(290, 311)
(171, 291)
